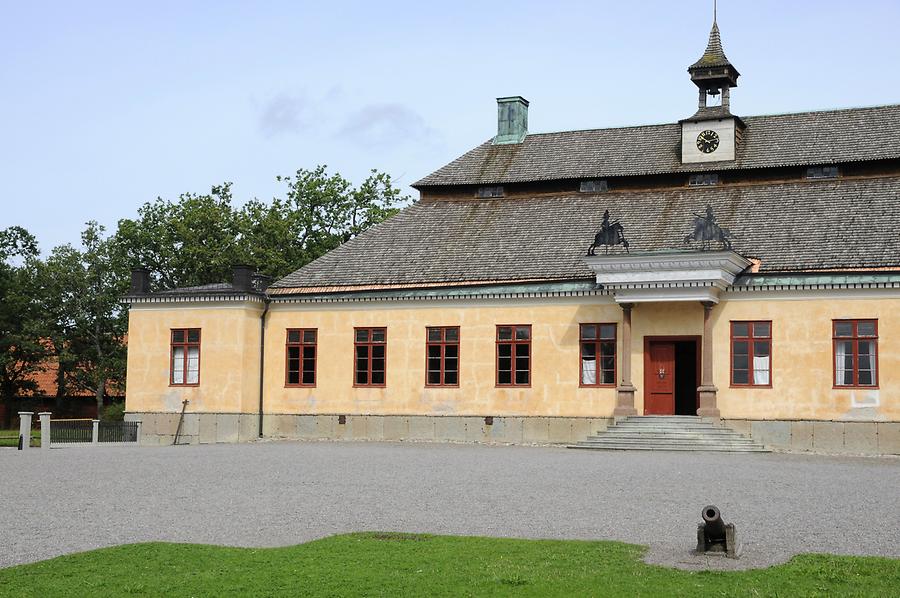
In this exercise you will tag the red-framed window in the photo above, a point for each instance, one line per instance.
(751, 353)
(370, 356)
(442, 356)
(184, 358)
(855, 353)
(514, 355)
(300, 357)
(598, 354)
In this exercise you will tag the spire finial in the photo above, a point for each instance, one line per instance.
(713, 71)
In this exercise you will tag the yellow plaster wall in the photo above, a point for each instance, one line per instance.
(555, 366)
(802, 369)
(229, 358)
(802, 354)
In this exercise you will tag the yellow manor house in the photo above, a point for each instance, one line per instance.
(736, 278)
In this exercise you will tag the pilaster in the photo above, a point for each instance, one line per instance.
(707, 389)
(625, 391)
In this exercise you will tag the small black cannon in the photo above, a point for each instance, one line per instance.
(714, 535)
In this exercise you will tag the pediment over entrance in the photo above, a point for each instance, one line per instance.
(667, 275)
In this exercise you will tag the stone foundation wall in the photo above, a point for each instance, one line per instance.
(501, 430)
(158, 429)
(205, 428)
(857, 438)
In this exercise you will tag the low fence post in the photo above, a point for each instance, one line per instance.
(95, 431)
(138, 434)
(25, 429)
(45, 429)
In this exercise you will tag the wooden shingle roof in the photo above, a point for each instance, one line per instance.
(791, 227)
(809, 138)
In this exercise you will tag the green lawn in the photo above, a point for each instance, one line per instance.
(11, 437)
(389, 564)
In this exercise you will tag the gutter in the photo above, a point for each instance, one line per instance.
(262, 359)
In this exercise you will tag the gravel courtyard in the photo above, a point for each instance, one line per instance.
(283, 493)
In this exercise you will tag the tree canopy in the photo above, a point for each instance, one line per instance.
(84, 323)
(197, 238)
(67, 306)
(22, 350)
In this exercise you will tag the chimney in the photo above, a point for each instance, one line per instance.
(243, 278)
(140, 281)
(512, 120)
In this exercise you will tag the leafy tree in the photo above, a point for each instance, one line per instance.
(374, 201)
(22, 351)
(196, 239)
(186, 242)
(320, 211)
(80, 298)
(67, 306)
(56, 282)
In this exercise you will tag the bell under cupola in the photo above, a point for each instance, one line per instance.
(712, 134)
(713, 74)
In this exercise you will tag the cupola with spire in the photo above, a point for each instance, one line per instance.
(712, 134)
(714, 73)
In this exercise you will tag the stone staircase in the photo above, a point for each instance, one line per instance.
(669, 433)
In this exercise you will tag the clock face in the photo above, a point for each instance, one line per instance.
(707, 141)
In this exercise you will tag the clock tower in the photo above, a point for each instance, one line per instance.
(712, 134)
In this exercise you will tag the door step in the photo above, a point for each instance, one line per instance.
(669, 433)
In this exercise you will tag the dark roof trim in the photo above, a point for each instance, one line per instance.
(585, 288)
(194, 297)
(550, 288)
(879, 280)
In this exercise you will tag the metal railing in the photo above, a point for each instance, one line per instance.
(77, 431)
(118, 432)
(71, 431)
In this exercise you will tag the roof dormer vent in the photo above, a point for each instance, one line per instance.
(823, 172)
(703, 179)
(489, 191)
(594, 186)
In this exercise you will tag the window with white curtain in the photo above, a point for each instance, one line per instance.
(185, 357)
(751, 353)
(855, 353)
(598, 354)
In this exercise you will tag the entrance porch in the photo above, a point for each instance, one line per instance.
(678, 370)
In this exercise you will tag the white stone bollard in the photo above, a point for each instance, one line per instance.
(45, 429)
(25, 428)
(95, 431)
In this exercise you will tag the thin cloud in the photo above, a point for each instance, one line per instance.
(284, 114)
(385, 125)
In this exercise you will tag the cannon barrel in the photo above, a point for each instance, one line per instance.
(715, 527)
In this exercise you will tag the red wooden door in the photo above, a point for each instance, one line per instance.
(659, 379)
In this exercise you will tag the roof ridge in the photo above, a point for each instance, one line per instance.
(824, 110)
(669, 124)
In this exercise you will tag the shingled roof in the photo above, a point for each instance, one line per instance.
(831, 137)
(790, 227)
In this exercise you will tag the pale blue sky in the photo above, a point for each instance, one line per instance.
(107, 105)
